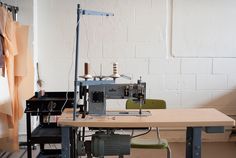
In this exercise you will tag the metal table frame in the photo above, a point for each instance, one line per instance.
(193, 141)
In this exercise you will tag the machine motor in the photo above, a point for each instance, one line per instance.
(108, 144)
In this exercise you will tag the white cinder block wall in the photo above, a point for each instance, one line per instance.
(185, 52)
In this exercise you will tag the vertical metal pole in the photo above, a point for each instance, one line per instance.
(73, 139)
(76, 61)
(85, 109)
(85, 90)
(41, 122)
(193, 142)
(28, 124)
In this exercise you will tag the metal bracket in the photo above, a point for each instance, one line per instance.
(91, 12)
(217, 129)
(95, 82)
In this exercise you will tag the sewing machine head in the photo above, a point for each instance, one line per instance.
(95, 92)
(98, 94)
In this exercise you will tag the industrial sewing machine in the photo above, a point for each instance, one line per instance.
(94, 94)
(105, 142)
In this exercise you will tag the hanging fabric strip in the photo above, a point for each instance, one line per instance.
(3, 19)
(22, 34)
(2, 63)
(9, 107)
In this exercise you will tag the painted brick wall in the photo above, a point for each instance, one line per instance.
(137, 37)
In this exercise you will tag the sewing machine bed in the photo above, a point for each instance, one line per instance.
(128, 113)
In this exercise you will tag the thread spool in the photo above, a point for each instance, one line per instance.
(115, 71)
(87, 71)
(115, 68)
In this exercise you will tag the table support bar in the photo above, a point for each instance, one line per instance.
(66, 151)
(193, 142)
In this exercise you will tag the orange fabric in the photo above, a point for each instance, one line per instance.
(3, 19)
(18, 109)
(2, 63)
(22, 34)
(10, 38)
(11, 82)
(20, 76)
(20, 66)
(26, 86)
(10, 50)
(7, 31)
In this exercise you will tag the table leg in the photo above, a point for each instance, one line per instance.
(193, 142)
(28, 124)
(66, 146)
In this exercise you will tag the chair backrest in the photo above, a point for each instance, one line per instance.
(149, 104)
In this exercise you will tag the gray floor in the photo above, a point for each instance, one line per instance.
(22, 153)
(209, 150)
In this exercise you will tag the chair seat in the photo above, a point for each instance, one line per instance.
(149, 143)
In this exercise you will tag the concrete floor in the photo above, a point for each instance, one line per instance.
(209, 150)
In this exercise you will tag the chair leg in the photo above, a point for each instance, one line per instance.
(168, 152)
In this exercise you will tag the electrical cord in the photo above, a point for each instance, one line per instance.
(87, 136)
(68, 82)
(142, 133)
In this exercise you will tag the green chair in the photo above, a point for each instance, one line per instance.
(149, 143)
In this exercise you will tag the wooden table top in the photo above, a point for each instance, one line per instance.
(201, 117)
